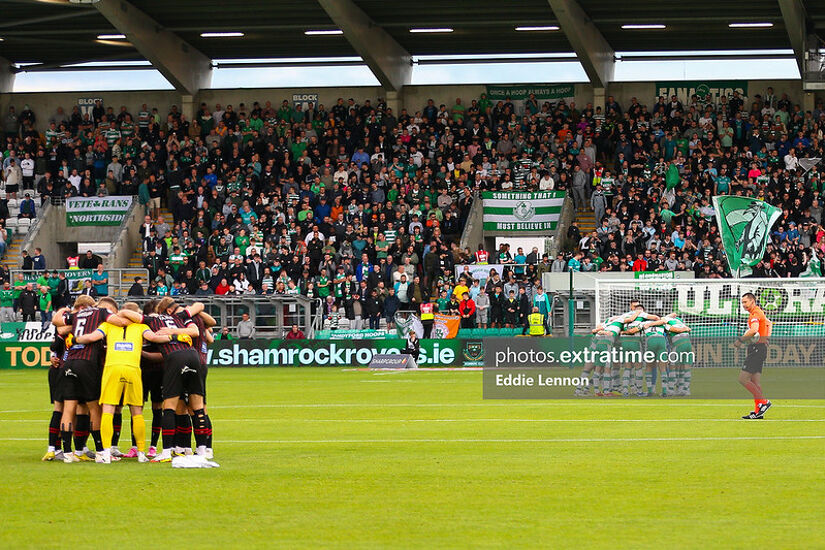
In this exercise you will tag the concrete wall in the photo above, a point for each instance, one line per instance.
(414, 98)
(128, 239)
(57, 240)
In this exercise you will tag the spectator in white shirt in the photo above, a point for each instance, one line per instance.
(791, 162)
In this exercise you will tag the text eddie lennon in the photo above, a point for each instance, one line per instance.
(528, 368)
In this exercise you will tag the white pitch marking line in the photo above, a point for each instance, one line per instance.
(540, 420)
(507, 403)
(552, 440)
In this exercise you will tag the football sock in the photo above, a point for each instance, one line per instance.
(168, 431)
(157, 423)
(117, 423)
(66, 433)
(98, 439)
(208, 432)
(54, 430)
(687, 379)
(200, 423)
(596, 382)
(106, 429)
(651, 385)
(755, 390)
(626, 379)
(139, 431)
(82, 425)
(183, 431)
(639, 379)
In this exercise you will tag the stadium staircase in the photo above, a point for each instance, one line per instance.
(16, 232)
(587, 221)
(136, 260)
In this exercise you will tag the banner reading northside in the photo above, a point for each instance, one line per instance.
(97, 210)
(708, 91)
(522, 211)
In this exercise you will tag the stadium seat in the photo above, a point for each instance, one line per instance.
(23, 225)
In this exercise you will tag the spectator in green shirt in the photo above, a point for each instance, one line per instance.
(45, 306)
(224, 334)
(19, 287)
(7, 304)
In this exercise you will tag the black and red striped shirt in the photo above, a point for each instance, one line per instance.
(83, 322)
(158, 322)
(198, 343)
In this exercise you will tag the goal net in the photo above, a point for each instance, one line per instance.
(712, 310)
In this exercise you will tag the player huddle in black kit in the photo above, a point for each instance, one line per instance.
(167, 343)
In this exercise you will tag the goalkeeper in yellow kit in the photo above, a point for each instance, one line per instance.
(122, 377)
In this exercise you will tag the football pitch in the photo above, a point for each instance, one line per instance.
(335, 458)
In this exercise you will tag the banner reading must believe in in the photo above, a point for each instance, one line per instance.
(522, 211)
(97, 210)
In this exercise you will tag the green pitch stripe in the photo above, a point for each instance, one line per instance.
(509, 211)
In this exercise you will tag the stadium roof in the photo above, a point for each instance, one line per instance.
(54, 33)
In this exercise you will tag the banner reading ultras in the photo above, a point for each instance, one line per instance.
(97, 210)
(522, 211)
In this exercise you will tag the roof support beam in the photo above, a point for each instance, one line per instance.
(187, 69)
(593, 51)
(796, 23)
(387, 59)
(7, 75)
(46, 19)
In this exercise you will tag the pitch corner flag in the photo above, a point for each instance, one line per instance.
(744, 224)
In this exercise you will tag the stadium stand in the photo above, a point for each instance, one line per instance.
(363, 210)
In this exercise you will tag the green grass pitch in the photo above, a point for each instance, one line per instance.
(328, 458)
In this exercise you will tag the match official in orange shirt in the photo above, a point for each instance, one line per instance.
(756, 337)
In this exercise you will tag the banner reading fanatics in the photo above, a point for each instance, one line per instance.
(97, 210)
(708, 91)
(521, 211)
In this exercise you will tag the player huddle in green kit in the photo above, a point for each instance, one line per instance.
(632, 350)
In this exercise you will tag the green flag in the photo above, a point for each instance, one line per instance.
(672, 178)
(814, 268)
(744, 224)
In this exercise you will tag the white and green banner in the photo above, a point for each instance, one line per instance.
(522, 211)
(97, 210)
(745, 225)
(76, 277)
(709, 91)
(543, 92)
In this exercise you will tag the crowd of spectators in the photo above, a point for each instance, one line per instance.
(363, 207)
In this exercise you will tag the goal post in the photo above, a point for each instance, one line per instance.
(713, 311)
